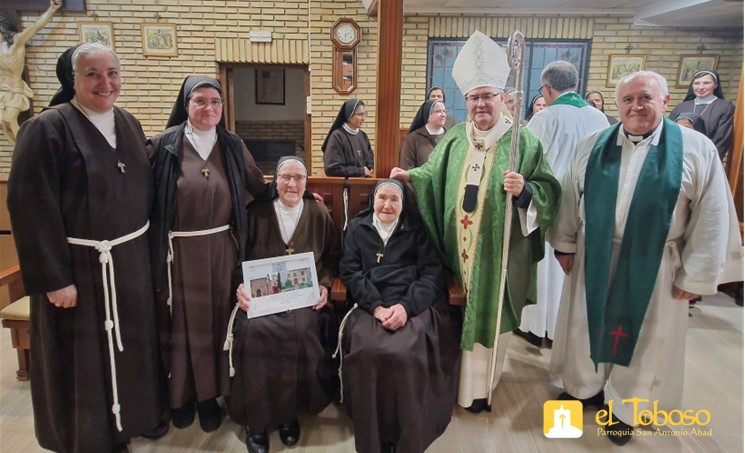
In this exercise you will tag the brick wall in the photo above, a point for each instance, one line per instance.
(150, 84)
(272, 131)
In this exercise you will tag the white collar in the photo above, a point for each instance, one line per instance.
(492, 136)
(104, 122)
(435, 132)
(202, 141)
(707, 100)
(288, 218)
(384, 231)
(349, 129)
(652, 140)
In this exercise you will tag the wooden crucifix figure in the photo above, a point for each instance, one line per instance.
(15, 93)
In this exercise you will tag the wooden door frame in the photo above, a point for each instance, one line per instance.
(227, 80)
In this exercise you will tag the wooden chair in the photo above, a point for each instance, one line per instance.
(16, 317)
(456, 295)
(359, 192)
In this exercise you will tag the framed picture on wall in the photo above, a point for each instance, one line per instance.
(691, 64)
(101, 32)
(619, 66)
(270, 86)
(159, 40)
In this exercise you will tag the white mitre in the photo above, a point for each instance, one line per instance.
(480, 63)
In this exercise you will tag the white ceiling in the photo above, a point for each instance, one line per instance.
(666, 13)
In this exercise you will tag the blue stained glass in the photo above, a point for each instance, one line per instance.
(538, 53)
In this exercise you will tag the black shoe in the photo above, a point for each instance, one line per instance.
(210, 415)
(596, 400)
(183, 417)
(530, 337)
(257, 443)
(478, 406)
(289, 433)
(619, 432)
(156, 433)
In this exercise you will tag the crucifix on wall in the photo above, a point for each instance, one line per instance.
(15, 94)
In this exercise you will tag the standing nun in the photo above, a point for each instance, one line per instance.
(705, 98)
(203, 176)
(425, 132)
(79, 196)
(346, 149)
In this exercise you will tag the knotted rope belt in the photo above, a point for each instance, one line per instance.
(171, 254)
(110, 303)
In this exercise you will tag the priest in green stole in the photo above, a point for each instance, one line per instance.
(647, 222)
(560, 126)
(461, 193)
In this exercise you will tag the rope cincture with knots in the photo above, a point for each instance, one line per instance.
(338, 351)
(170, 256)
(110, 304)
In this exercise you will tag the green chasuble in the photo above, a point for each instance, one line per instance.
(438, 189)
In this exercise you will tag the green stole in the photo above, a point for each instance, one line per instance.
(615, 312)
(571, 98)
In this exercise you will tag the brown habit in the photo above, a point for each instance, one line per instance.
(202, 270)
(65, 183)
(417, 147)
(283, 361)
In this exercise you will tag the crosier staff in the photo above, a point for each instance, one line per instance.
(516, 51)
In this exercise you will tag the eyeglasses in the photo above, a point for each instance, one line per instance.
(362, 114)
(201, 103)
(288, 178)
(540, 90)
(439, 111)
(488, 97)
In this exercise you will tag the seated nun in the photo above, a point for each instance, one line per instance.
(692, 121)
(401, 342)
(282, 362)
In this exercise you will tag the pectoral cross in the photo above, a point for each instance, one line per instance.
(290, 250)
(205, 173)
(122, 167)
(379, 257)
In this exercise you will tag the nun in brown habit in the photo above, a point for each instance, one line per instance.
(400, 343)
(80, 176)
(203, 177)
(282, 362)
